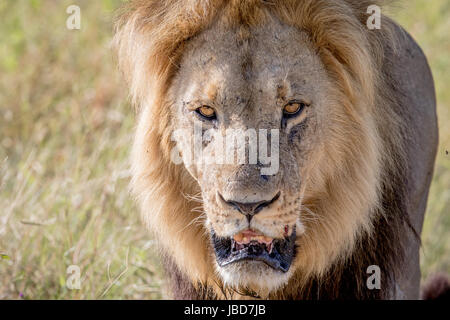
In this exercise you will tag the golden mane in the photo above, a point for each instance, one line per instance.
(150, 38)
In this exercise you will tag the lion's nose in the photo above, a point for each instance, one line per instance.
(249, 209)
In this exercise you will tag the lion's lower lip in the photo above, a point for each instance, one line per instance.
(279, 257)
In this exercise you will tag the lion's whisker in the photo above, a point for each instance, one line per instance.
(197, 221)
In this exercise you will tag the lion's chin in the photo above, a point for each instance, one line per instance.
(254, 275)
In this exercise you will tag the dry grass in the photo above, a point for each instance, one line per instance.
(65, 132)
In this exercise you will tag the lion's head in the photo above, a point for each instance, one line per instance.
(296, 81)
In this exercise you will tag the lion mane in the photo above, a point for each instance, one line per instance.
(150, 38)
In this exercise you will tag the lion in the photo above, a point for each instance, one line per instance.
(352, 115)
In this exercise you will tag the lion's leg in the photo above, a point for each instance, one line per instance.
(179, 286)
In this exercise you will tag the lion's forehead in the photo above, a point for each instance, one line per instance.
(218, 62)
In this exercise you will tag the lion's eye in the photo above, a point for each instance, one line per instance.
(206, 112)
(293, 108)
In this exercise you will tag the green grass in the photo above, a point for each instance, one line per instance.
(65, 133)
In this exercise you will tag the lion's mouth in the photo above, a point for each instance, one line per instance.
(251, 245)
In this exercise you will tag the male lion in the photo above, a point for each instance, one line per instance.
(352, 112)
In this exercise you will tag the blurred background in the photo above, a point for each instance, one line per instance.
(65, 133)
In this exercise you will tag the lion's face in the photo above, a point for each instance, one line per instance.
(265, 84)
